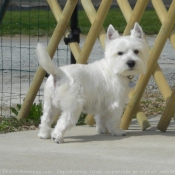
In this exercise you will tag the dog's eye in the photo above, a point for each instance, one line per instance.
(136, 51)
(120, 53)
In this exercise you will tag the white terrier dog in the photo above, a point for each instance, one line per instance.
(100, 88)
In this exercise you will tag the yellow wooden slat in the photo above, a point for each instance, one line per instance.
(52, 46)
(94, 30)
(91, 13)
(167, 114)
(136, 15)
(127, 12)
(154, 55)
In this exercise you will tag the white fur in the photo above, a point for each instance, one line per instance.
(100, 88)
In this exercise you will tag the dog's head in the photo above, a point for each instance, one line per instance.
(127, 55)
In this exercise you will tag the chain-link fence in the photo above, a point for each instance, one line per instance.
(25, 23)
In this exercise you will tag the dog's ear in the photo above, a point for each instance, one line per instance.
(137, 31)
(111, 33)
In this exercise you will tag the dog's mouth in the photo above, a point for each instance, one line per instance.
(130, 77)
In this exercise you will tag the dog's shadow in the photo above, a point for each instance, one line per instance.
(93, 138)
(107, 137)
(133, 132)
(91, 135)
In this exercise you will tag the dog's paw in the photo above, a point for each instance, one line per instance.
(118, 132)
(44, 132)
(43, 135)
(56, 138)
(102, 131)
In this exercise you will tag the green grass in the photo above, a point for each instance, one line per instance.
(11, 124)
(116, 18)
(34, 23)
(31, 122)
(34, 114)
(42, 22)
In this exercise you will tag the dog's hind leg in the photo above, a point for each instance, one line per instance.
(47, 119)
(66, 121)
(100, 124)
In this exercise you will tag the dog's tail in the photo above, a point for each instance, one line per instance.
(45, 60)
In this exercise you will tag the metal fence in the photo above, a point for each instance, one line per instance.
(24, 24)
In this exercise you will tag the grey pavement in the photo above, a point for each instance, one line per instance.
(86, 152)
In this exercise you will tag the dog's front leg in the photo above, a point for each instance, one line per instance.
(113, 122)
(100, 124)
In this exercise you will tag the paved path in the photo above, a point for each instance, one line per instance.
(86, 152)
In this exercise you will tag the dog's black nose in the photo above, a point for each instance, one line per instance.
(130, 63)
